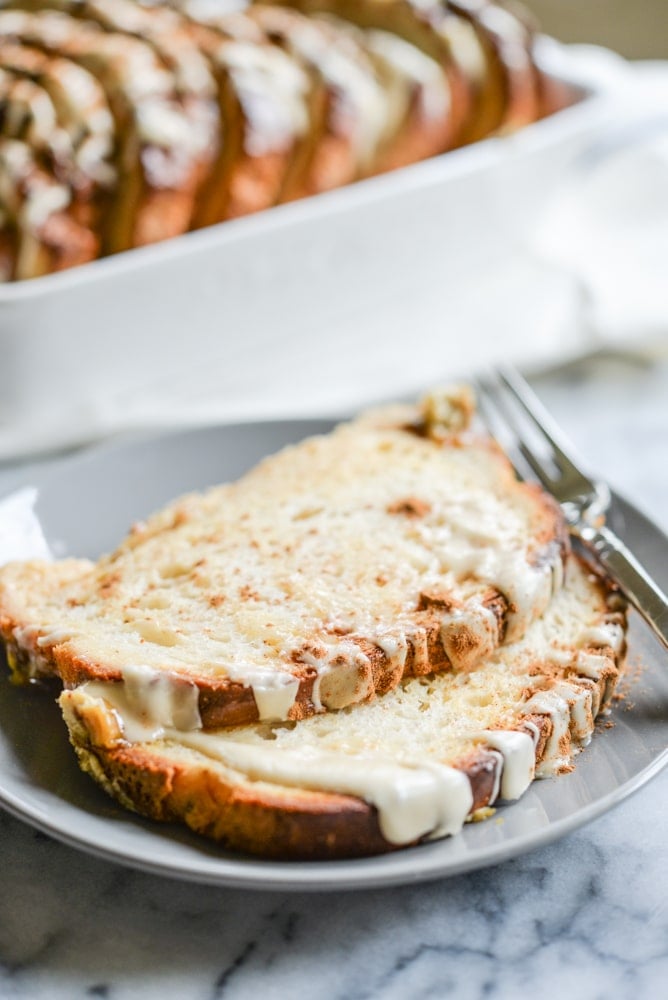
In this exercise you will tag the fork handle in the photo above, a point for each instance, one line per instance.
(634, 580)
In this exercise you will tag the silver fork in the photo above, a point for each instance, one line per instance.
(517, 418)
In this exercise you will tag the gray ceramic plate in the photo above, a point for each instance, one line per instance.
(85, 505)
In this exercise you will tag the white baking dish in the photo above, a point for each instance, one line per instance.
(370, 290)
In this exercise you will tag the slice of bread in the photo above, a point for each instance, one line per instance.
(414, 117)
(414, 764)
(400, 544)
(427, 124)
(356, 110)
(512, 81)
(42, 234)
(82, 113)
(269, 104)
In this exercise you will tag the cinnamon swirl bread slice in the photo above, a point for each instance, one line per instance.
(40, 235)
(356, 115)
(413, 764)
(400, 544)
(75, 133)
(55, 108)
(272, 106)
(424, 104)
(512, 93)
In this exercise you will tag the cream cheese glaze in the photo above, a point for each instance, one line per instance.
(518, 754)
(271, 88)
(274, 694)
(418, 68)
(411, 801)
(475, 620)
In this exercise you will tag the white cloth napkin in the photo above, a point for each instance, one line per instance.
(533, 256)
(607, 224)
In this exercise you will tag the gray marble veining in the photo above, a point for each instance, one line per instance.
(585, 918)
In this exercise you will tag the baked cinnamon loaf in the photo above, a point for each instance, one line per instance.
(139, 119)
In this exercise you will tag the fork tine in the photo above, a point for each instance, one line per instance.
(538, 467)
(503, 428)
(541, 420)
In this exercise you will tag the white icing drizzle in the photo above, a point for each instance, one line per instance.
(394, 645)
(274, 695)
(519, 760)
(411, 801)
(608, 634)
(467, 543)
(465, 47)
(343, 675)
(580, 707)
(418, 638)
(149, 703)
(26, 640)
(45, 200)
(55, 637)
(560, 657)
(271, 87)
(418, 67)
(164, 124)
(595, 689)
(592, 665)
(533, 731)
(477, 626)
(163, 698)
(498, 771)
(552, 704)
(136, 727)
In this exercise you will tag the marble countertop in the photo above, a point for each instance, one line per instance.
(586, 917)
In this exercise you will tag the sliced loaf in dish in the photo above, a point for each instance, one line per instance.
(218, 110)
(400, 544)
(414, 764)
